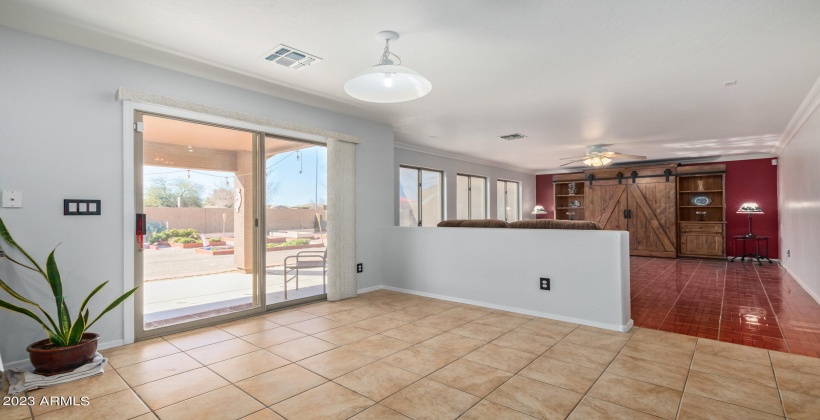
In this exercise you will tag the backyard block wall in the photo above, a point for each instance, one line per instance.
(209, 220)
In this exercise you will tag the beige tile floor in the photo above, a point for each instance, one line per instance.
(387, 355)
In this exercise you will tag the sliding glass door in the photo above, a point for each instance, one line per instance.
(295, 250)
(229, 223)
(196, 193)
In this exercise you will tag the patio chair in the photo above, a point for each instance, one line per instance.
(305, 260)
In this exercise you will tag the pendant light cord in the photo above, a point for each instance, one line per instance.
(386, 54)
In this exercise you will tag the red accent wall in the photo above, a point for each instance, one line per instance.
(752, 180)
(544, 195)
(746, 180)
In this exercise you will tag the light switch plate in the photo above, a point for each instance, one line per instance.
(81, 207)
(12, 198)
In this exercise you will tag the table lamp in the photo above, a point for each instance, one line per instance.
(750, 209)
(538, 210)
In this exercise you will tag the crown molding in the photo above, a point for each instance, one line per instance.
(685, 161)
(456, 156)
(804, 111)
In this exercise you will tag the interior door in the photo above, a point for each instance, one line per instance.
(651, 218)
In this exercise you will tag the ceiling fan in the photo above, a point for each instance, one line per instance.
(597, 155)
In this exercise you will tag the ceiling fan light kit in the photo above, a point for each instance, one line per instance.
(388, 82)
(597, 161)
(597, 156)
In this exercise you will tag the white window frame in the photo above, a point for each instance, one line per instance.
(518, 204)
(419, 170)
(486, 204)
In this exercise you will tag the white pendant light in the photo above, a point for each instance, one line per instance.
(388, 82)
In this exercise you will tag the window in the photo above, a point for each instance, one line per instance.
(424, 183)
(507, 204)
(471, 197)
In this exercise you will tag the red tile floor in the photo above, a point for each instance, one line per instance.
(736, 302)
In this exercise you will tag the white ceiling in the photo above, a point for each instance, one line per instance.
(644, 75)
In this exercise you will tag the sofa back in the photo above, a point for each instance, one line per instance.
(523, 224)
(479, 223)
(555, 224)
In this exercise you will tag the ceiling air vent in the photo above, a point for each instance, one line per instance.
(514, 136)
(290, 57)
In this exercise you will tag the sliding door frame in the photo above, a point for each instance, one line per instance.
(130, 110)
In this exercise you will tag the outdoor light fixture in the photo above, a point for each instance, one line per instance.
(597, 161)
(388, 82)
(750, 209)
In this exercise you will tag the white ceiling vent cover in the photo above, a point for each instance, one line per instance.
(514, 136)
(290, 57)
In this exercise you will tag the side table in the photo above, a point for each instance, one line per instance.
(757, 240)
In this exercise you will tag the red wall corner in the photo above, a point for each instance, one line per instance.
(544, 196)
(752, 180)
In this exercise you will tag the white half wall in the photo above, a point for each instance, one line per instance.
(798, 176)
(452, 167)
(500, 268)
(61, 136)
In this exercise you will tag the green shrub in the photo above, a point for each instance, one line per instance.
(184, 240)
(292, 242)
(217, 239)
(170, 234)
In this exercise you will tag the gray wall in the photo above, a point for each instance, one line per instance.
(799, 204)
(589, 270)
(61, 137)
(451, 168)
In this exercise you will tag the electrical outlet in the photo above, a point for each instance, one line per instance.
(545, 283)
(359, 268)
(788, 252)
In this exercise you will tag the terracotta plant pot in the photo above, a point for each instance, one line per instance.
(49, 360)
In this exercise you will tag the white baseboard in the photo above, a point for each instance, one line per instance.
(369, 289)
(802, 284)
(26, 364)
(612, 327)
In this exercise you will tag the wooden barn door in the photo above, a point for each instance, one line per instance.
(652, 218)
(606, 203)
(644, 206)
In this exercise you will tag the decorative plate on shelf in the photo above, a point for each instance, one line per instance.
(575, 203)
(701, 200)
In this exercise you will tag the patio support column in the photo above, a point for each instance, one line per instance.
(243, 216)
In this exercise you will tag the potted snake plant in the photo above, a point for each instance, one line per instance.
(68, 345)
